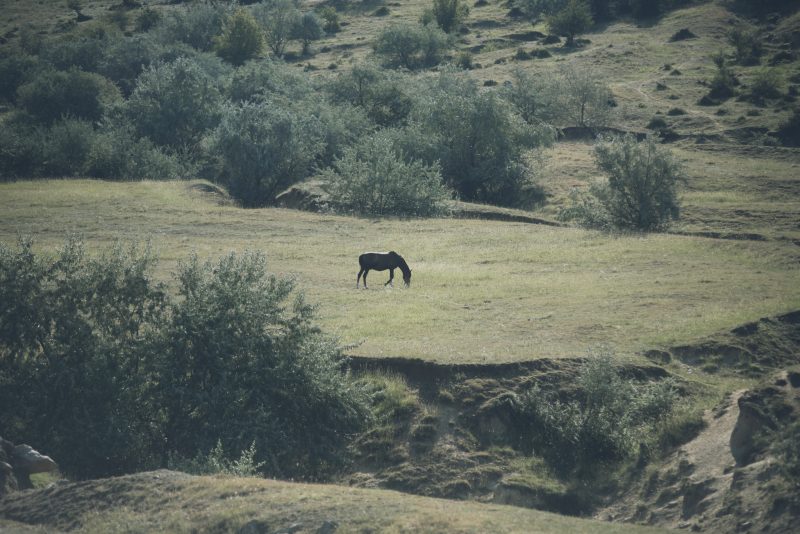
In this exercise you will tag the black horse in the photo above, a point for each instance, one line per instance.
(380, 261)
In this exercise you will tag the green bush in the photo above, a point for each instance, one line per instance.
(21, 143)
(257, 80)
(15, 70)
(574, 19)
(66, 148)
(478, 138)
(196, 24)
(147, 19)
(449, 14)
(766, 84)
(263, 147)
(747, 44)
(529, 96)
(643, 179)
(278, 18)
(82, 50)
(125, 59)
(174, 104)
(385, 96)
(241, 38)
(307, 29)
(411, 46)
(604, 423)
(331, 18)
(577, 97)
(53, 94)
(724, 82)
(373, 179)
(106, 371)
(216, 462)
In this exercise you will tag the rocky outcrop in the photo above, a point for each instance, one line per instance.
(18, 463)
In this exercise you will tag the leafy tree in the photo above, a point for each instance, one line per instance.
(241, 38)
(263, 147)
(16, 69)
(307, 29)
(331, 18)
(278, 18)
(66, 147)
(577, 97)
(575, 18)
(373, 179)
(257, 80)
(643, 181)
(449, 14)
(125, 59)
(174, 104)
(478, 138)
(411, 46)
(53, 94)
(195, 25)
(385, 96)
(747, 43)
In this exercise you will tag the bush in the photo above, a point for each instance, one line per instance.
(605, 423)
(241, 38)
(788, 131)
(529, 96)
(577, 97)
(83, 50)
(575, 18)
(642, 184)
(196, 24)
(411, 46)
(147, 19)
(449, 14)
(53, 94)
(724, 82)
(331, 18)
(21, 144)
(125, 59)
(109, 374)
(385, 96)
(373, 179)
(66, 147)
(259, 79)
(478, 138)
(278, 18)
(533, 9)
(307, 29)
(263, 147)
(15, 70)
(216, 462)
(174, 104)
(747, 43)
(766, 84)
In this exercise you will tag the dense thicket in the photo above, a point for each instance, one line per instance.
(107, 371)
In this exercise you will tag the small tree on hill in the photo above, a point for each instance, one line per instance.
(308, 28)
(574, 19)
(449, 14)
(643, 180)
(241, 38)
(278, 18)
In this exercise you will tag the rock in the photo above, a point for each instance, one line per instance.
(17, 463)
(30, 460)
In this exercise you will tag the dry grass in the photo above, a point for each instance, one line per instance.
(482, 291)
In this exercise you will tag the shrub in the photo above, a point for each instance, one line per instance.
(21, 144)
(533, 9)
(373, 179)
(278, 18)
(577, 97)
(174, 104)
(83, 50)
(263, 147)
(385, 96)
(196, 24)
(331, 18)
(477, 137)
(15, 70)
(258, 79)
(95, 357)
(241, 38)
(724, 82)
(642, 184)
(52, 94)
(411, 46)
(766, 84)
(216, 462)
(147, 19)
(788, 131)
(449, 14)
(529, 96)
(66, 147)
(608, 419)
(307, 29)
(125, 59)
(575, 18)
(747, 43)
(73, 347)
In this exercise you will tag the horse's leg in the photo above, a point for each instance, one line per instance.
(358, 278)
(391, 277)
(366, 272)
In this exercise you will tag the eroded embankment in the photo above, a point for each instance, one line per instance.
(466, 439)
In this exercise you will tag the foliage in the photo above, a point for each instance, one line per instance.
(307, 29)
(766, 84)
(66, 147)
(147, 19)
(331, 18)
(15, 70)
(533, 9)
(723, 84)
(96, 357)
(72, 353)
(174, 103)
(643, 179)
(449, 14)
(263, 147)
(21, 144)
(257, 80)
(788, 131)
(53, 94)
(83, 49)
(373, 179)
(385, 96)
(747, 44)
(575, 18)
(125, 59)
(278, 18)
(576, 97)
(195, 25)
(477, 137)
(216, 462)
(241, 38)
(411, 46)
(529, 95)
(605, 423)
(587, 208)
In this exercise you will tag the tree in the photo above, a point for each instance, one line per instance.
(374, 179)
(263, 147)
(577, 97)
(241, 38)
(278, 19)
(307, 29)
(411, 46)
(449, 14)
(574, 19)
(174, 104)
(643, 180)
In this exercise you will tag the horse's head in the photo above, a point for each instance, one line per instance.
(407, 278)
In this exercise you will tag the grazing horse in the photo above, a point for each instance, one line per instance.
(380, 261)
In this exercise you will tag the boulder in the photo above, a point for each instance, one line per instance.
(17, 463)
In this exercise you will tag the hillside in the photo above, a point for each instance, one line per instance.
(479, 377)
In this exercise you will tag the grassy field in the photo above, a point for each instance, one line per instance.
(482, 291)
(164, 501)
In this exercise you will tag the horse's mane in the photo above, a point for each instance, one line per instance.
(401, 262)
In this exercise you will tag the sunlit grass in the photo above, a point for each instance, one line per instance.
(481, 291)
